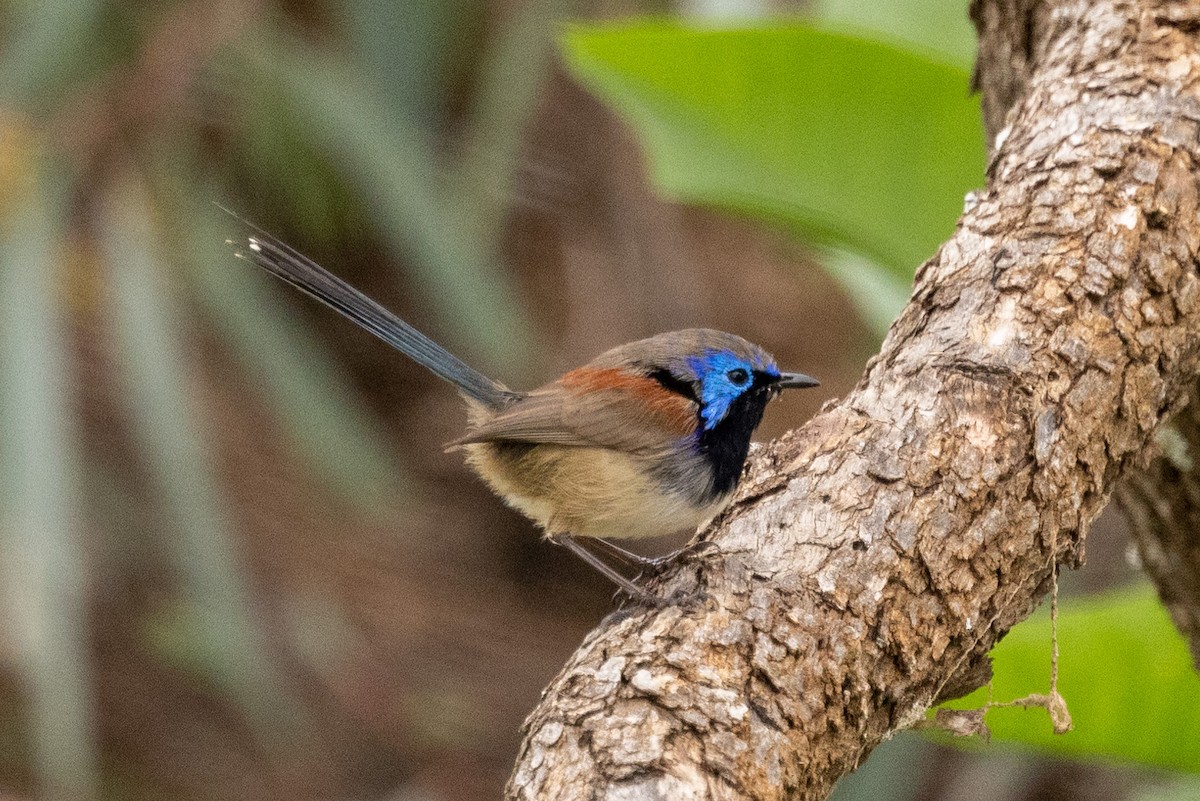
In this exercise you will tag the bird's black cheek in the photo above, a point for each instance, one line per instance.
(725, 445)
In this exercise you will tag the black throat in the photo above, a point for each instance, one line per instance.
(725, 445)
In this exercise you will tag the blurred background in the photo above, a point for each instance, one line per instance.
(235, 562)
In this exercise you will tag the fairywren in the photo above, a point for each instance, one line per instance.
(647, 439)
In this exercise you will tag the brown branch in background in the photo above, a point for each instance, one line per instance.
(874, 557)
(1162, 503)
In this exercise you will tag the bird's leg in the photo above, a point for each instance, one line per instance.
(628, 557)
(572, 545)
(651, 564)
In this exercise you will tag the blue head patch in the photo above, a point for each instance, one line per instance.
(724, 376)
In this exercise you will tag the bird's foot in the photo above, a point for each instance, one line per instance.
(652, 566)
(633, 591)
(627, 606)
(627, 586)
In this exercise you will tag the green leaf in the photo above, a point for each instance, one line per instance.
(858, 144)
(1185, 788)
(935, 26)
(43, 566)
(1125, 672)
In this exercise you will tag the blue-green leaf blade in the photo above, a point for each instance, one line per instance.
(43, 561)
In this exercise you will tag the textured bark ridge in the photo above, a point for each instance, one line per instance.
(874, 556)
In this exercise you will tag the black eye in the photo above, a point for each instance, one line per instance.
(738, 376)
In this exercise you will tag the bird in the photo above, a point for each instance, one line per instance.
(649, 438)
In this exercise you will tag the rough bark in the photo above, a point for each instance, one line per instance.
(1162, 503)
(874, 556)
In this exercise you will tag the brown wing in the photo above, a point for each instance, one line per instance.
(606, 407)
(537, 417)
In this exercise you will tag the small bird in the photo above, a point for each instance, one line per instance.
(647, 439)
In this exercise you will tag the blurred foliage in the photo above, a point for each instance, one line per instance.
(869, 148)
(363, 128)
(109, 116)
(1175, 789)
(40, 487)
(170, 435)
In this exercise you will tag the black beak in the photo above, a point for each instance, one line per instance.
(796, 381)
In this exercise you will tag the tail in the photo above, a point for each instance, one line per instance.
(314, 280)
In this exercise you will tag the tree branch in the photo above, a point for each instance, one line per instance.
(1162, 503)
(873, 558)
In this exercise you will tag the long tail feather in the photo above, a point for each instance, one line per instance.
(314, 280)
